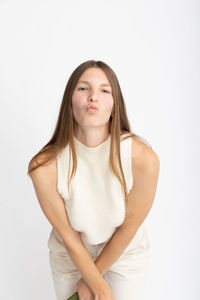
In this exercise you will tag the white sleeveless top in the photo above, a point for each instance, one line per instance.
(95, 203)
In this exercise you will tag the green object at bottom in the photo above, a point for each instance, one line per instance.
(73, 297)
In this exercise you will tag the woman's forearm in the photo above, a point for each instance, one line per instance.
(83, 261)
(114, 248)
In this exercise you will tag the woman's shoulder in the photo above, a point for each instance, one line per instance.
(44, 165)
(142, 154)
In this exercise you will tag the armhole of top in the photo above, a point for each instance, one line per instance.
(131, 162)
(59, 175)
(127, 162)
(62, 174)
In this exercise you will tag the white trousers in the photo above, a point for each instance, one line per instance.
(126, 277)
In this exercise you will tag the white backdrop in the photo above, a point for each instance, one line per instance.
(153, 47)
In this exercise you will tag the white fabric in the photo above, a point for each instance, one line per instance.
(95, 204)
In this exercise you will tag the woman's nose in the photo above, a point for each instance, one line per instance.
(93, 96)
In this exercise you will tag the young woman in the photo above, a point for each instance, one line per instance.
(96, 181)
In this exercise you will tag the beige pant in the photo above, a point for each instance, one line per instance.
(126, 277)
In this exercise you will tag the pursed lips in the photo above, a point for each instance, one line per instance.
(92, 107)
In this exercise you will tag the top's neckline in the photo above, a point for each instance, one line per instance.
(91, 149)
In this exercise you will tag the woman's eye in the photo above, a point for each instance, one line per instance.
(82, 89)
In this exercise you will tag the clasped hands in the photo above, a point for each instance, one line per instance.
(85, 293)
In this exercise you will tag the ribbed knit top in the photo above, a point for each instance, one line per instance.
(95, 203)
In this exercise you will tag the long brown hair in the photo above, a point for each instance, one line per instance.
(64, 130)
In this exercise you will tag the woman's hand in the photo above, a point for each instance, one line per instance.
(107, 295)
(84, 292)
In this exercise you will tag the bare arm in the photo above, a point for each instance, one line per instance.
(44, 181)
(145, 167)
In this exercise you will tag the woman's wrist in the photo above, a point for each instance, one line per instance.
(104, 290)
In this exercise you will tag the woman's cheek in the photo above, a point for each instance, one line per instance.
(78, 102)
(108, 106)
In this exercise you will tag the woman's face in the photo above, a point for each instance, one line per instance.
(95, 91)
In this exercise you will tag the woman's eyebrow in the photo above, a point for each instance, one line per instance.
(87, 82)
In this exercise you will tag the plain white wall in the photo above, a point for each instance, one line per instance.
(153, 46)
